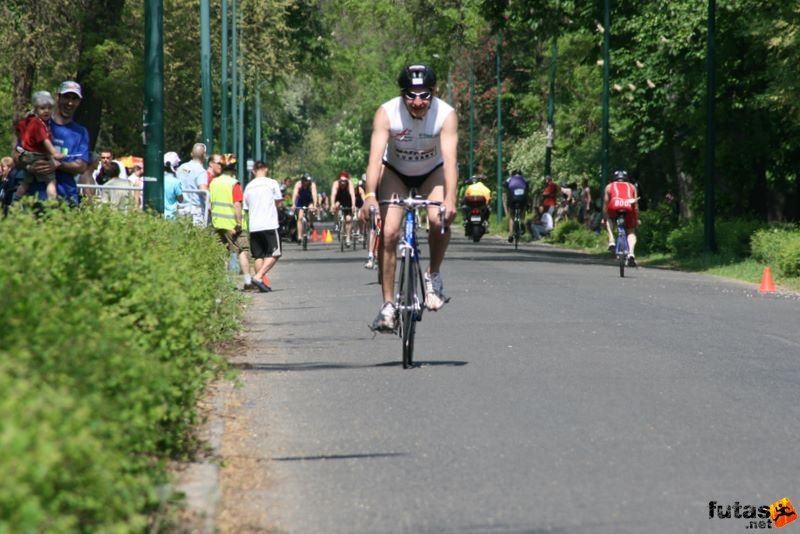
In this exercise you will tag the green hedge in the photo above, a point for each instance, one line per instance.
(574, 234)
(106, 325)
(733, 238)
(778, 247)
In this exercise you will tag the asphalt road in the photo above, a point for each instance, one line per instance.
(551, 396)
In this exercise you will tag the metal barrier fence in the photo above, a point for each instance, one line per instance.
(101, 188)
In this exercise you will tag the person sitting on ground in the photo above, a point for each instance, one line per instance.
(622, 195)
(35, 143)
(542, 225)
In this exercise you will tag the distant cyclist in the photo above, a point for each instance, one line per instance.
(343, 198)
(413, 145)
(621, 194)
(304, 198)
(516, 193)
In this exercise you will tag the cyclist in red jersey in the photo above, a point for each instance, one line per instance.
(621, 194)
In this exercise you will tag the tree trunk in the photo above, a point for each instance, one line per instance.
(22, 90)
(103, 21)
(684, 184)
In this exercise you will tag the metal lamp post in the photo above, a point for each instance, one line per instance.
(499, 131)
(154, 106)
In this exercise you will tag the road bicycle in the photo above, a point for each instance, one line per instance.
(410, 286)
(308, 225)
(621, 248)
(516, 225)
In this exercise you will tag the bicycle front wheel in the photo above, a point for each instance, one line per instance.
(407, 306)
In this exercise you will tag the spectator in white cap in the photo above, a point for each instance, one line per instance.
(172, 186)
(71, 140)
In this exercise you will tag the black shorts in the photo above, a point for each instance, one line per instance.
(412, 181)
(517, 202)
(265, 243)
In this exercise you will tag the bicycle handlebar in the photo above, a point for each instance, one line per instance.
(416, 203)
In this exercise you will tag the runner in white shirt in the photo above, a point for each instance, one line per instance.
(262, 200)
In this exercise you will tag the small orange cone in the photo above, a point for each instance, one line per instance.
(314, 235)
(767, 285)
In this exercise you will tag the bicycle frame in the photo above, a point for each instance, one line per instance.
(409, 299)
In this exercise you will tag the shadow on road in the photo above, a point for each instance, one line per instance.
(326, 366)
(356, 456)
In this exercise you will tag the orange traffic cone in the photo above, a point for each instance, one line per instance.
(314, 235)
(328, 236)
(767, 285)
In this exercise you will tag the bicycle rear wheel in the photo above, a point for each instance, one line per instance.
(406, 308)
(622, 259)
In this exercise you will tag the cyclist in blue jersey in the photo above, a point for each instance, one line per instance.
(515, 195)
(304, 197)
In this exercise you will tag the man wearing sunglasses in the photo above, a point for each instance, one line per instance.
(413, 145)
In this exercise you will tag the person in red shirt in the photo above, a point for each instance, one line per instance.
(622, 195)
(549, 194)
(35, 143)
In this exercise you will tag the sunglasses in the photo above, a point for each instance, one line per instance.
(411, 95)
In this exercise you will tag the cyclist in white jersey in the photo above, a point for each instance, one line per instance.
(414, 145)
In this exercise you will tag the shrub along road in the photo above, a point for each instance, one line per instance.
(552, 396)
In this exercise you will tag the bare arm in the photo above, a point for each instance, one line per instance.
(52, 150)
(449, 142)
(294, 193)
(314, 197)
(377, 147)
(352, 194)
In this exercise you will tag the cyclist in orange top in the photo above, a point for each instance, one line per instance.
(621, 194)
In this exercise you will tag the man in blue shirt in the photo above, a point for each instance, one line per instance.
(194, 176)
(71, 139)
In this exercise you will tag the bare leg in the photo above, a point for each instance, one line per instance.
(392, 221)
(263, 266)
(52, 192)
(244, 262)
(631, 242)
(300, 219)
(433, 189)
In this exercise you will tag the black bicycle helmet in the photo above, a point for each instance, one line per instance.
(620, 176)
(416, 76)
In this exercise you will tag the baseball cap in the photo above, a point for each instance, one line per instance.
(172, 159)
(70, 87)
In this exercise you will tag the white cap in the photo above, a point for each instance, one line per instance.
(172, 159)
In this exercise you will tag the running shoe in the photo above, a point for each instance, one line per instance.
(631, 261)
(612, 247)
(370, 263)
(434, 291)
(385, 322)
(262, 287)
